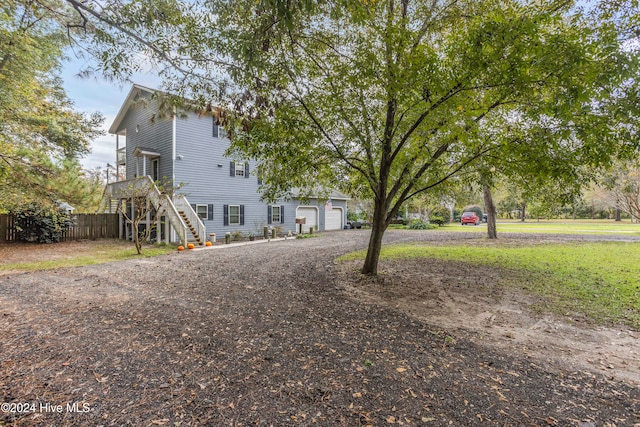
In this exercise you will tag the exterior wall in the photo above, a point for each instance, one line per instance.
(142, 132)
(205, 173)
(200, 167)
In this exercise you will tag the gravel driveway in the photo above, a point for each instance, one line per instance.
(263, 335)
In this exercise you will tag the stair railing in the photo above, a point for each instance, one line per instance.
(183, 205)
(160, 201)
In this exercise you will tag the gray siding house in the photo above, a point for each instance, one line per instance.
(188, 150)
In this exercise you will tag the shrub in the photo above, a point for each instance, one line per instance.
(419, 225)
(352, 216)
(438, 220)
(440, 215)
(38, 224)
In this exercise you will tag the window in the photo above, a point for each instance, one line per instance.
(202, 211)
(233, 214)
(275, 214)
(239, 169)
(218, 130)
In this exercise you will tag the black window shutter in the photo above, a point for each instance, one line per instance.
(193, 206)
(246, 170)
(215, 128)
(209, 212)
(241, 214)
(226, 214)
(232, 168)
(268, 214)
(282, 214)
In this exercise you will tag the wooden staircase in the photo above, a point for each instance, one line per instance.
(196, 240)
(178, 211)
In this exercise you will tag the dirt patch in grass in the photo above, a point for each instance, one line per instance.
(469, 300)
(263, 334)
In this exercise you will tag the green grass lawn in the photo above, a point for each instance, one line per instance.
(598, 280)
(603, 227)
(94, 253)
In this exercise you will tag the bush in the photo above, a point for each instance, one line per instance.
(37, 224)
(419, 225)
(438, 220)
(440, 216)
(352, 216)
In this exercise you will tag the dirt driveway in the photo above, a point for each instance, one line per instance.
(279, 334)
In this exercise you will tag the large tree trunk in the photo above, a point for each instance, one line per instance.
(378, 227)
(490, 207)
(524, 212)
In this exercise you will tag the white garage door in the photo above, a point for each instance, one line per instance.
(333, 219)
(312, 218)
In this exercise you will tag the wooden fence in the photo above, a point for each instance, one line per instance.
(85, 226)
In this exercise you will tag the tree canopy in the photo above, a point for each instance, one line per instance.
(39, 128)
(391, 99)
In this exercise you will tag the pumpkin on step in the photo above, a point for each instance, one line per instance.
(190, 246)
(209, 244)
(181, 248)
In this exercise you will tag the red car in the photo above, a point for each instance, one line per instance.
(469, 218)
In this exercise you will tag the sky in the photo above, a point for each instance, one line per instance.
(94, 94)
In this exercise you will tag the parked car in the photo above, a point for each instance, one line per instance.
(469, 218)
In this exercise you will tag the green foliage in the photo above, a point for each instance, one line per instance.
(306, 236)
(40, 224)
(352, 216)
(39, 128)
(394, 98)
(440, 215)
(419, 225)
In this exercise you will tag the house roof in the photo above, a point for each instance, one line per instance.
(332, 194)
(131, 98)
(148, 152)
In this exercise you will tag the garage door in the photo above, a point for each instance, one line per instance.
(333, 219)
(312, 218)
